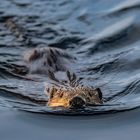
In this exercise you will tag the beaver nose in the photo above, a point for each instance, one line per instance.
(77, 102)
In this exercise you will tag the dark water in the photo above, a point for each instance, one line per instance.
(102, 34)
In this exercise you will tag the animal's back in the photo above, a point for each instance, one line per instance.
(42, 60)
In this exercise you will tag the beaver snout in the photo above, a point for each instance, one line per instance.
(77, 102)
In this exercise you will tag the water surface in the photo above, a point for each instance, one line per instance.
(103, 35)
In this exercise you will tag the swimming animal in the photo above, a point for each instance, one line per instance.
(65, 89)
(68, 91)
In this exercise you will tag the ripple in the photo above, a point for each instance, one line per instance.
(105, 42)
(124, 7)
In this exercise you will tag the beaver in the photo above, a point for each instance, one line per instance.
(66, 92)
(65, 88)
(73, 97)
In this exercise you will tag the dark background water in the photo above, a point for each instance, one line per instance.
(102, 34)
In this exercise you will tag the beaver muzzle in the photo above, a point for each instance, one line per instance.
(77, 102)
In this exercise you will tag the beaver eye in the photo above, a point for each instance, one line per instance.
(61, 95)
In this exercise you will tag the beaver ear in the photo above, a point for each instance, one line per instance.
(47, 90)
(99, 93)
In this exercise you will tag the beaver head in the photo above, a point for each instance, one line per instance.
(73, 97)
